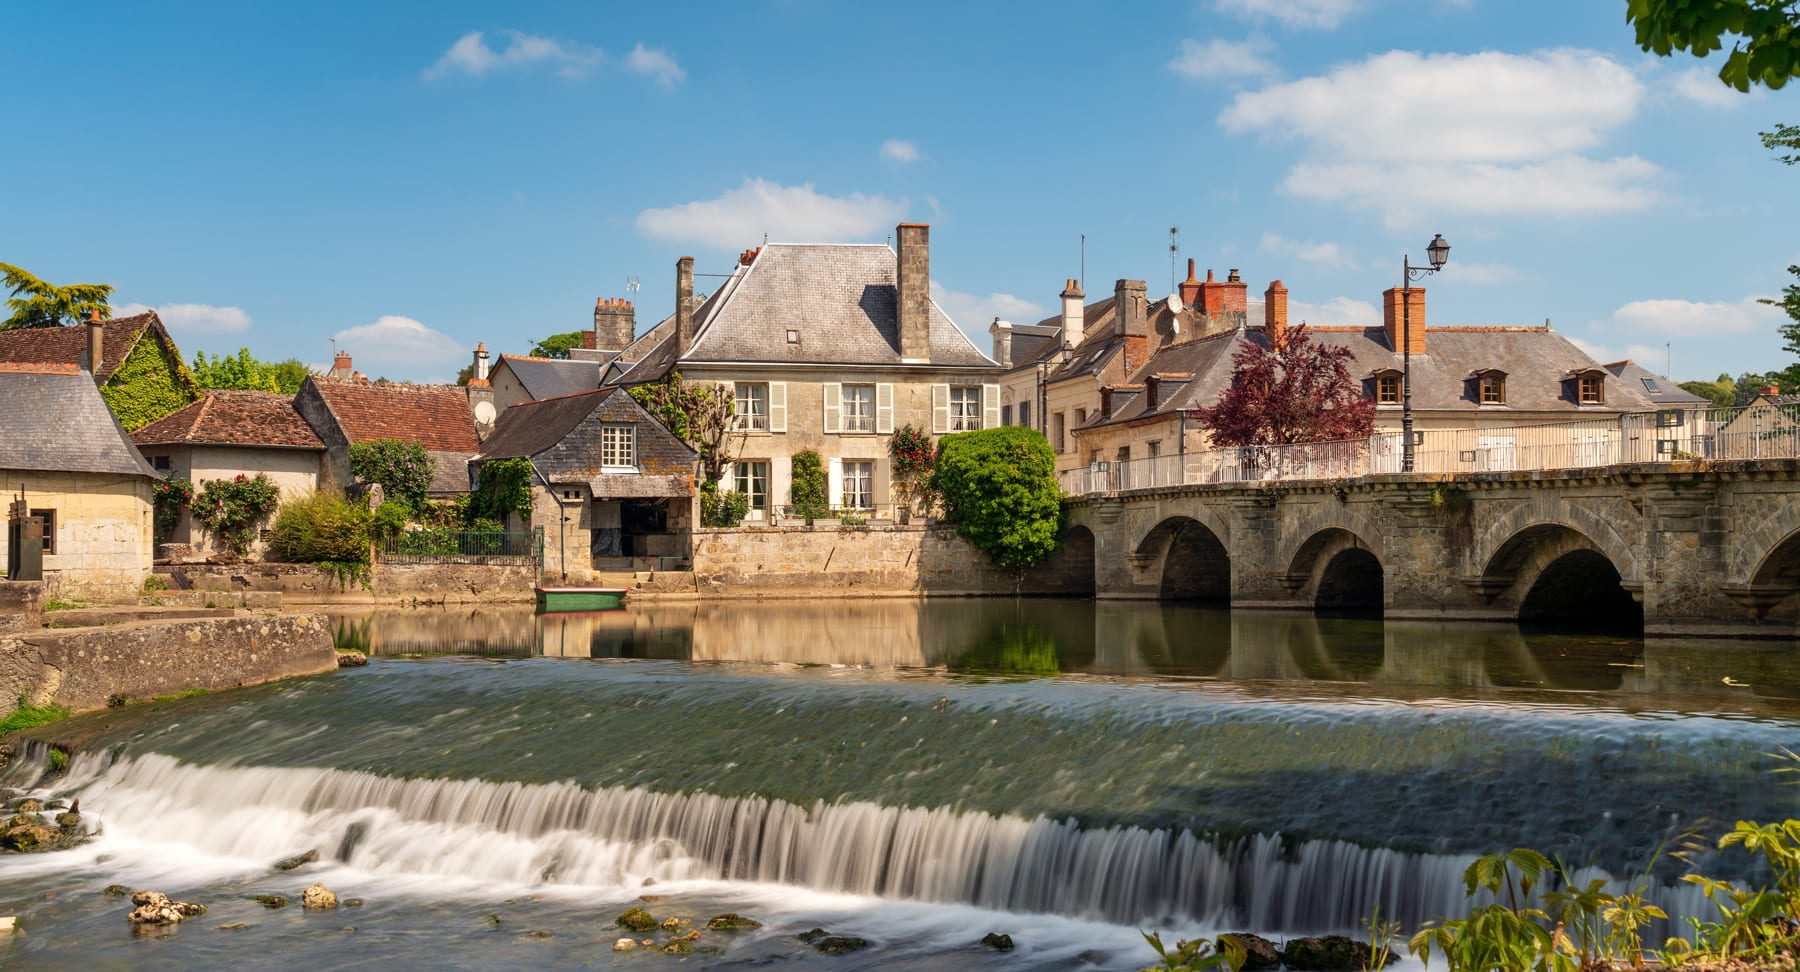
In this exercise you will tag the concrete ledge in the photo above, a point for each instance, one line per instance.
(80, 668)
(414, 583)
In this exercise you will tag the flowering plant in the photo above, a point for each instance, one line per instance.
(231, 509)
(170, 496)
(914, 455)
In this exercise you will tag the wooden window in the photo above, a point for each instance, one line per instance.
(1593, 390)
(49, 518)
(859, 484)
(965, 408)
(1006, 415)
(618, 446)
(1061, 423)
(752, 407)
(858, 402)
(1387, 390)
(752, 479)
(1493, 389)
(159, 463)
(1025, 414)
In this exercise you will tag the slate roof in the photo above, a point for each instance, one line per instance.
(548, 377)
(451, 472)
(529, 428)
(68, 344)
(257, 419)
(1033, 341)
(1655, 387)
(435, 416)
(56, 421)
(841, 298)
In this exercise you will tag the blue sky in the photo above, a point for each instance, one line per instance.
(412, 179)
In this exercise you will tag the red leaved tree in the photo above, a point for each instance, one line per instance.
(1294, 391)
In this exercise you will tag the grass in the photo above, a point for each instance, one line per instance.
(155, 583)
(183, 694)
(55, 604)
(28, 715)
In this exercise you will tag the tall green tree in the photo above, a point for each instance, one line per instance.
(557, 345)
(246, 372)
(38, 303)
(1764, 35)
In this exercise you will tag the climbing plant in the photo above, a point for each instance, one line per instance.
(404, 469)
(149, 384)
(913, 456)
(699, 415)
(170, 497)
(231, 509)
(807, 491)
(504, 487)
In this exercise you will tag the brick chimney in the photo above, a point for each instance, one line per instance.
(1073, 313)
(1222, 297)
(96, 344)
(1002, 334)
(912, 285)
(1190, 289)
(684, 305)
(615, 324)
(1275, 319)
(340, 366)
(1391, 319)
(480, 374)
(1131, 308)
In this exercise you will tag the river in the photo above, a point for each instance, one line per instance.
(497, 787)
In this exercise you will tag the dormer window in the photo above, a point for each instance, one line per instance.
(1387, 386)
(1592, 389)
(1490, 386)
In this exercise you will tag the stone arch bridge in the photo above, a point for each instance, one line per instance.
(1686, 547)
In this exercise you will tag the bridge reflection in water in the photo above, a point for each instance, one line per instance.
(1279, 652)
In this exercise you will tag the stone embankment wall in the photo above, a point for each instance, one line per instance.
(424, 583)
(878, 560)
(80, 668)
(20, 602)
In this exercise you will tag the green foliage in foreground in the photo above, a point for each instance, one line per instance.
(28, 715)
(1764, 35)
(323, 528)
(1198, 955)
(999, 488)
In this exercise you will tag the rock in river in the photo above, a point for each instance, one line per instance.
(997, 941)
(1329, 953)
(636, 919)
(1259, 952)
(317, 897)
(731, 921)
(289, 863)
(155, 908)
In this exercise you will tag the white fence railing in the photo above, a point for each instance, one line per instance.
(1753, 432)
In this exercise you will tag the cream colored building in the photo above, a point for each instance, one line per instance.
(65, 460)
(829, 347)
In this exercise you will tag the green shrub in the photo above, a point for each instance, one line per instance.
(323, 528)
(503, 487)
(807, 492)
(404, 469)
(999, 488)
(232, 509)
(28, 715)
(389, 519)
(722, 507)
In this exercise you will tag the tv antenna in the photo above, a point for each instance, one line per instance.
(631, 285)
(1174, 248)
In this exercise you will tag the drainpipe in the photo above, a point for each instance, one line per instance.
(562, 521)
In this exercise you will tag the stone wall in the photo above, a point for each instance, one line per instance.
(81, 668)
(429, 583)
(875, 560)
(103, 546)
(20, 602)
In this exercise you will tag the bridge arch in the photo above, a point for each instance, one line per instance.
(1337, 570)
(1594, 528)
(1552, 572)
(1195, 563)
(1070, 568)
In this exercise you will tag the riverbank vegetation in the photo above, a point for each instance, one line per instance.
(999, 487)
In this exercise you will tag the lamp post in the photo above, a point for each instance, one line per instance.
(1438, 252)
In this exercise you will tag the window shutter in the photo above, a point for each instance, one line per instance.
(777, 406)
(884, 471)
(834, 407)
(884, 408)
(834, 484)
(940, 409)
(990, 406)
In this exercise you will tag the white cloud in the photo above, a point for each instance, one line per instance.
(657, 64)
(974, 312)
(1483, 274)
(1323, 254)
(1487, 133)
(1704, 87)
(1337, 310)
(899, 150)
(193, 318)
(1691, 318)
(1222, 59)
(472, 55)
(1326, 14)
(787, 213)
(1649, 357)
(400, 347)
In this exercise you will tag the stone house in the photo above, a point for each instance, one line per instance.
(133, 359)
(231, 433)
(347, 411)
(829, 347)
(519, 378)
(613, 489)
(65, 459)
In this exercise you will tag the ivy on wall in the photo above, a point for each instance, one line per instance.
(148, 385)
(503, 487)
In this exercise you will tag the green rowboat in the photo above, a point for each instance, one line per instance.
(556, 600)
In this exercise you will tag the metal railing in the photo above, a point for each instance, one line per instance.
(495, 548)
(1764, 431)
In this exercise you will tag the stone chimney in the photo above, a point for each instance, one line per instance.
(1132, 310)
(615, 324)
(480, 374)
(1391, 319)
(912, 285)
(1073, 313)
(1002, 334)
(1106, 397)
(684, 305)
(1190, 289)
(340, 366)
(1275, 320)
(96, 344)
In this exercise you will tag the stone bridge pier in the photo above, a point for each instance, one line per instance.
(1684, 548)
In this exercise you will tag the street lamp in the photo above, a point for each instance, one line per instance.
(1438, 252)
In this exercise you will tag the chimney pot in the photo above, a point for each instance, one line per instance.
(1190, 275)
(96, 344)
(1209, 275)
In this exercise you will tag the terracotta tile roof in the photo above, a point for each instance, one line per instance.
(234, 418)
(435, 416)
(31, 368)
(68, 344)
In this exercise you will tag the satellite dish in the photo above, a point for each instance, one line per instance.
(1175, 305)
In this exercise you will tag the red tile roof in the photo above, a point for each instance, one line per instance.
(235, 418)
(68, 344)
(33, 368)
(435, 416)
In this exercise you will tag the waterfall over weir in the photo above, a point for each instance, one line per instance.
(563, 834)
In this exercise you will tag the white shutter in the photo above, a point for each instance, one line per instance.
(884, 409)
(777, 406)
(884, 474)
(940, 409)
(834, 407)
(990, 406)
(737, 420)
(834, 483)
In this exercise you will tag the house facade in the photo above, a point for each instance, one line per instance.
(66, 461)
(827, 347)
(612, 488)
(133, 360)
